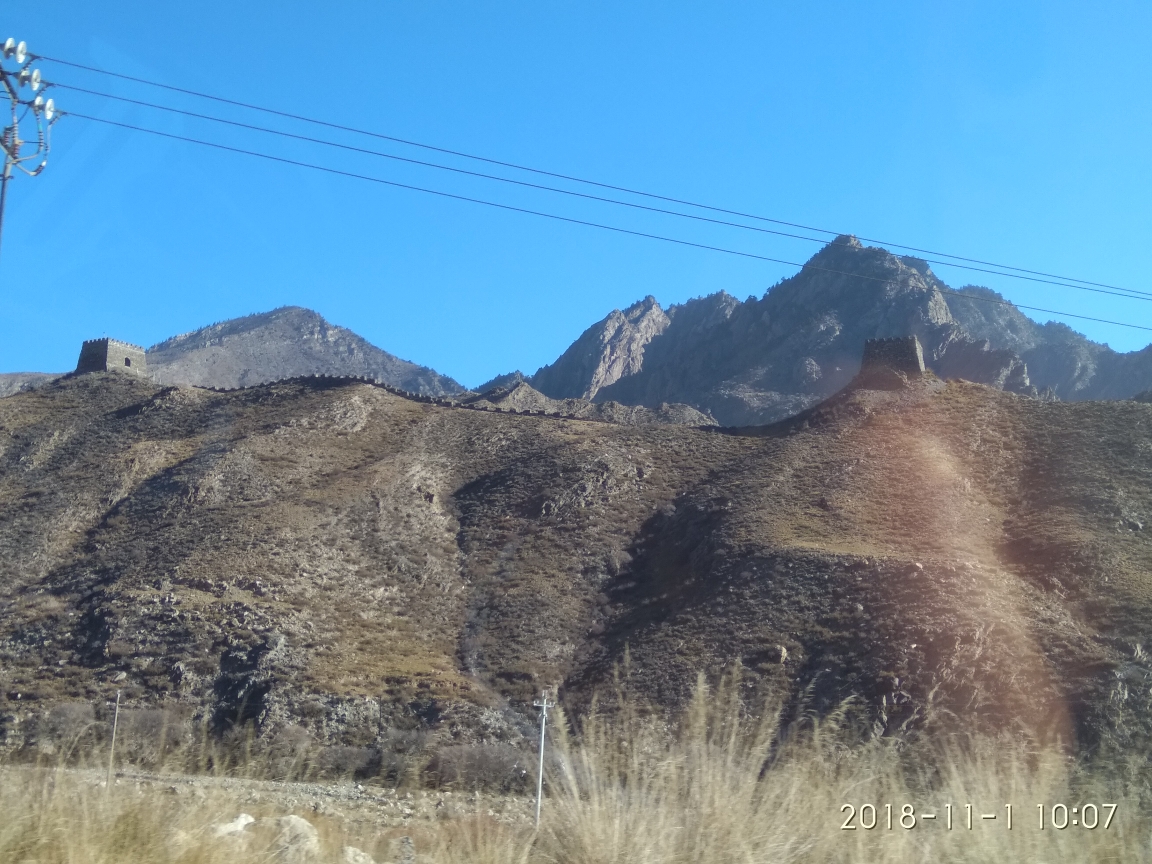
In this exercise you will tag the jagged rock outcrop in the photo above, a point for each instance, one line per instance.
(522, 397)
(767, 358)
(604, 353)
(503, 382)
(976, 360)
(1058, 357)
(283, 343)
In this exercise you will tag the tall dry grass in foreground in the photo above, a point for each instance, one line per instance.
(726, 787)
(719, 786)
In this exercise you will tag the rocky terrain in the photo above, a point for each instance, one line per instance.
(358, 809)
(19, 382)
(739, 363)
(766, 358)
(522, 397)
(338, 566)
(283, 343)
(604, 353)
(1059, 358)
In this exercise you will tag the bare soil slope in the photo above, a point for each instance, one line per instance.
(329, 555)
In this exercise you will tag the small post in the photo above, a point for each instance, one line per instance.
(543, 704)
(112, 749)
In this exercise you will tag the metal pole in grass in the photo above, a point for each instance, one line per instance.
(112, 749)
(543, 704)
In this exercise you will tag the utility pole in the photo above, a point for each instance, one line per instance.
(112, 749)
(4, 177)
(543, 704)
(14, 76)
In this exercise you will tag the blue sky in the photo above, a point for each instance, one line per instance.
(1018, 135)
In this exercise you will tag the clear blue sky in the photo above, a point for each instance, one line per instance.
(1015, 132)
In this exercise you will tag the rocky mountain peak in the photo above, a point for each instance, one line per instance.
(606, 352)
(503, 382)
(284, 343)
(296, 320)
(902, 295)
(641, 308)
(765, 358)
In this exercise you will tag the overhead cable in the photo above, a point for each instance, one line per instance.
(572, 178)
(569, 219)
(1130, 293)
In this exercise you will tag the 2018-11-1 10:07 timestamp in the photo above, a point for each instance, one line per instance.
(868, 817)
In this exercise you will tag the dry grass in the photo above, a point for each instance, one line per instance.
(723, 784)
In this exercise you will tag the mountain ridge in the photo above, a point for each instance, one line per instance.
(328, 555)
(739, 362)
(604, 353)
(759, 360)
(285, 342)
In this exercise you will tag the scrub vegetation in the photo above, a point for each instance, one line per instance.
(725, 781)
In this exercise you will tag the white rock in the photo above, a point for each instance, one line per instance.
(234, 827)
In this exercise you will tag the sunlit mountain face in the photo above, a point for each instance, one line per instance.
(330, 554)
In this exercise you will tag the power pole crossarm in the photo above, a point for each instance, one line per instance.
(44, 113)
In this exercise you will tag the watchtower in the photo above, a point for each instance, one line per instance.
(901, 354)
(111, 355)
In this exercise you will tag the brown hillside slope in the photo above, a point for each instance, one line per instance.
(330, 555)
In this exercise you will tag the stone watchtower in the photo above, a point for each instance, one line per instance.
(901, 354)
(111, 355)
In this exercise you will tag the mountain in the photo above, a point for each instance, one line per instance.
(284, 343)
(327, 558)
(740, 363)
(18, 382)
(604, 353)
(767, 358)
(503, 382)
(519, 396)
(1058, 357)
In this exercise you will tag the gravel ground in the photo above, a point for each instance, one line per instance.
(357, 808)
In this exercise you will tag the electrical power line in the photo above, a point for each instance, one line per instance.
(681, 242)
(570, 177)
(1130, 293)
(12, 146)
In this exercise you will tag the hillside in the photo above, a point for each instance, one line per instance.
(606, 352)
(18, 382)
(522, 397)
(329, 555)
(284, 343)
(756, 361)
(1058, 357)
(763, 359)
